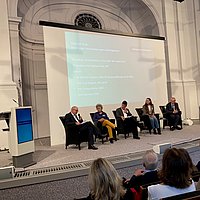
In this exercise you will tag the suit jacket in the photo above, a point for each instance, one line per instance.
(119, 113)
(147, 178)
(69, 120)
(146, 109)
(169, 109)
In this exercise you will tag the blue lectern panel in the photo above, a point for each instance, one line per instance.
(24, 125)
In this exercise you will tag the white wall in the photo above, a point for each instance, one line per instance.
(7, 87)
(183, 62)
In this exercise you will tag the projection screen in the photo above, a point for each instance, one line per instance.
(85, 68)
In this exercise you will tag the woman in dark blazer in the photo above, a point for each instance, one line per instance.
(148, 109)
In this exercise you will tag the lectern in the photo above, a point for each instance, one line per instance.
(21, 143)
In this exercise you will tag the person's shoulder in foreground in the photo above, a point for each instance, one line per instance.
(161, 191)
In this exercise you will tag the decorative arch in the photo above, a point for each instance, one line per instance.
(63, 12)
(130, 16)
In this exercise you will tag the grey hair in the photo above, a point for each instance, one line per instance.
(74, 107)
(150, 160)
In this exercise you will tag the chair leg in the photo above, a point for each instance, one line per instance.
(79, 146)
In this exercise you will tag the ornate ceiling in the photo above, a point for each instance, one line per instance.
(129, 16)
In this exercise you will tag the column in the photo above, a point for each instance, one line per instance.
(8, 90)
(182, 55)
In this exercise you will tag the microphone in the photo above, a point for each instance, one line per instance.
(80, 118)
(16, 102)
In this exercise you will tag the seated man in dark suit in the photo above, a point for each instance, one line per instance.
(72, 119)
(127, 122)
(147, 175)
(173, 114)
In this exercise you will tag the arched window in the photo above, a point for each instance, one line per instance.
(88, 21)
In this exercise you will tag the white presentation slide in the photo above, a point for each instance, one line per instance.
(109, 68)
(85, 68)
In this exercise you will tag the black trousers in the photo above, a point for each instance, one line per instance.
(130, 125)
(174, 119)
(89, 129)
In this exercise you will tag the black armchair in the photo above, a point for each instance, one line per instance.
(146, 125)
(103, 130)
(72, 134)
(166, 121)
(120, 126)
(145, 119)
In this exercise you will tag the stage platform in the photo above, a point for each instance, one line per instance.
(46, 155)
(59, 164)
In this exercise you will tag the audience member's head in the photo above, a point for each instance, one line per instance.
(104, 181)
(124, 104)
(148, 101)
(185, 152)
(74, 110)
(99, 107)
(173, 100)
(150, 160)
(194, 168)
(176, 168)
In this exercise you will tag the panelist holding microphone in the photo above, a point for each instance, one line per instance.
(74, 119)
(128, 123)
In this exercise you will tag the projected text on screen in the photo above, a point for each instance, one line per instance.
(108, 68)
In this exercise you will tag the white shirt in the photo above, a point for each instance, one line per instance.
(76, 118)
(125, 114)
(156, 192)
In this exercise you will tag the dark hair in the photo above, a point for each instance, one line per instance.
(198, 166)
(99, 105)
(149, 100)
(176, 168)
(192, 166)
(124, 102)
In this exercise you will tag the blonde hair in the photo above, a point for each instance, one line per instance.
(104, 181)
